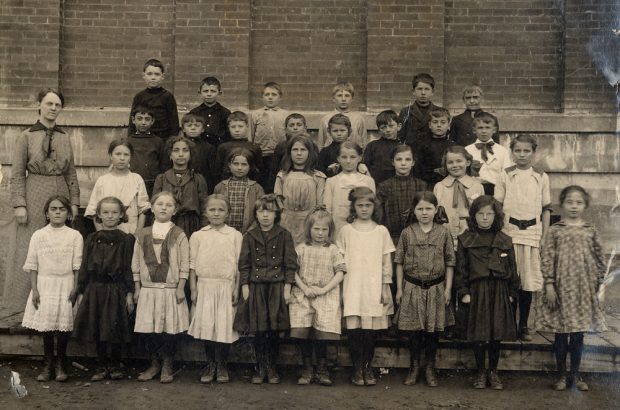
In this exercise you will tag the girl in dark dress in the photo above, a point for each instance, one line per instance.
(487, 281)
(106, 281)
(267, 268)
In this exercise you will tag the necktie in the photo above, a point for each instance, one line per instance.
(485, 148)
(47, 142)
(459, 192)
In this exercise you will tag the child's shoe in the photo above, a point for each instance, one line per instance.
(117, 373)
(358, 376)
(525, 335)
(561, 384)
(369, 377)
(579, 383)
(46, 372)
(100, 374)
(272, 375)
(322, 373)
(61, 374)
(431, 377)
(208, 374)
(414, 372)
(480, 382)
(166, 375)
(494, 380)
(151, 372)
(306, 372)
(222, 373)
(260, 373)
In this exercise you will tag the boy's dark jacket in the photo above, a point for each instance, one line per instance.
(272, 261)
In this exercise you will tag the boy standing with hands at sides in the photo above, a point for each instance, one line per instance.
(158, 99)
(238, 129)
(415, 117)
(267, 128)
(377, 155)
(214, 114)
(490, 159)
(343, 94)
(148, 149)
(429, 164)
(461, 129)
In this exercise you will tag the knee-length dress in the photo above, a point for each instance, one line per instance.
(105, 279)
(317, 266)
(366, 281)
(36, 174)
(54, 253)
(424, 256)
(302, 192)
(214, 254)
(572, 260)
(525, 196)
(129, 188)
(486, 270)
(160, 261)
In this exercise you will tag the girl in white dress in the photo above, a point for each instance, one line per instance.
(214, 283)
(123, 184)
(366, 291)
(54, 258)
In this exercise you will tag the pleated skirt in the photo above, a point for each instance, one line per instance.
(265, 309)
(159, 312)
(491, 314)
(214, 314)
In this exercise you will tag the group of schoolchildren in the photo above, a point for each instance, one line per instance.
(432, 219)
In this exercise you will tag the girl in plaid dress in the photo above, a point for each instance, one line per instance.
(315, 299)
(241, 191)
(573, 270)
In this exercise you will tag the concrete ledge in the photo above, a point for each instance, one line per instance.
(510, 121)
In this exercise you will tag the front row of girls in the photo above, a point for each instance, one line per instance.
(283, 288)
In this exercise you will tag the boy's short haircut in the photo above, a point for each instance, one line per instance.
(141, 109)
(295, 116)
(344, 86)
(486, 118)
(440, 112)
(526, 139)
(401, 148)
(211, 81)
(187, 118)
(339, 119)
(473, 88)
(385, 117)
(274, 85)
(423, 78)
(155, 63)
(237, 116)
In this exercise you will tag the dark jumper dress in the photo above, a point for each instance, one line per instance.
(105, 278)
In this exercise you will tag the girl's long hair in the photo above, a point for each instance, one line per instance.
(313, 154)
(319, 213)
(479, 203)
(364, 193)
(64, 201)
(427, 196)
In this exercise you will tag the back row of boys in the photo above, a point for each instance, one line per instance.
(426, 127)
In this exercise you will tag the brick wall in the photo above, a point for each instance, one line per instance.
(29, 35)
(590, 22)
(308, 47)
(212, 38)
(528, 55)
(404, 37)
(513, 49)
(105, 43)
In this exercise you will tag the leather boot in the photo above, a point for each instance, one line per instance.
(306, 372)
(222, 372)
(414, 372)
(46, 372)
(431, 377)
(61, 374)
(322, 373)
(152, 371)
(166, 370)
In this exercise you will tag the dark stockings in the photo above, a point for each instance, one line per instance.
(361, 346)
(217, 352)
(430, 341)
(318, 346)
(266, 348)
(568, 343)
(62, 340)
(480, 349)
(160, 345)
(525, 301)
